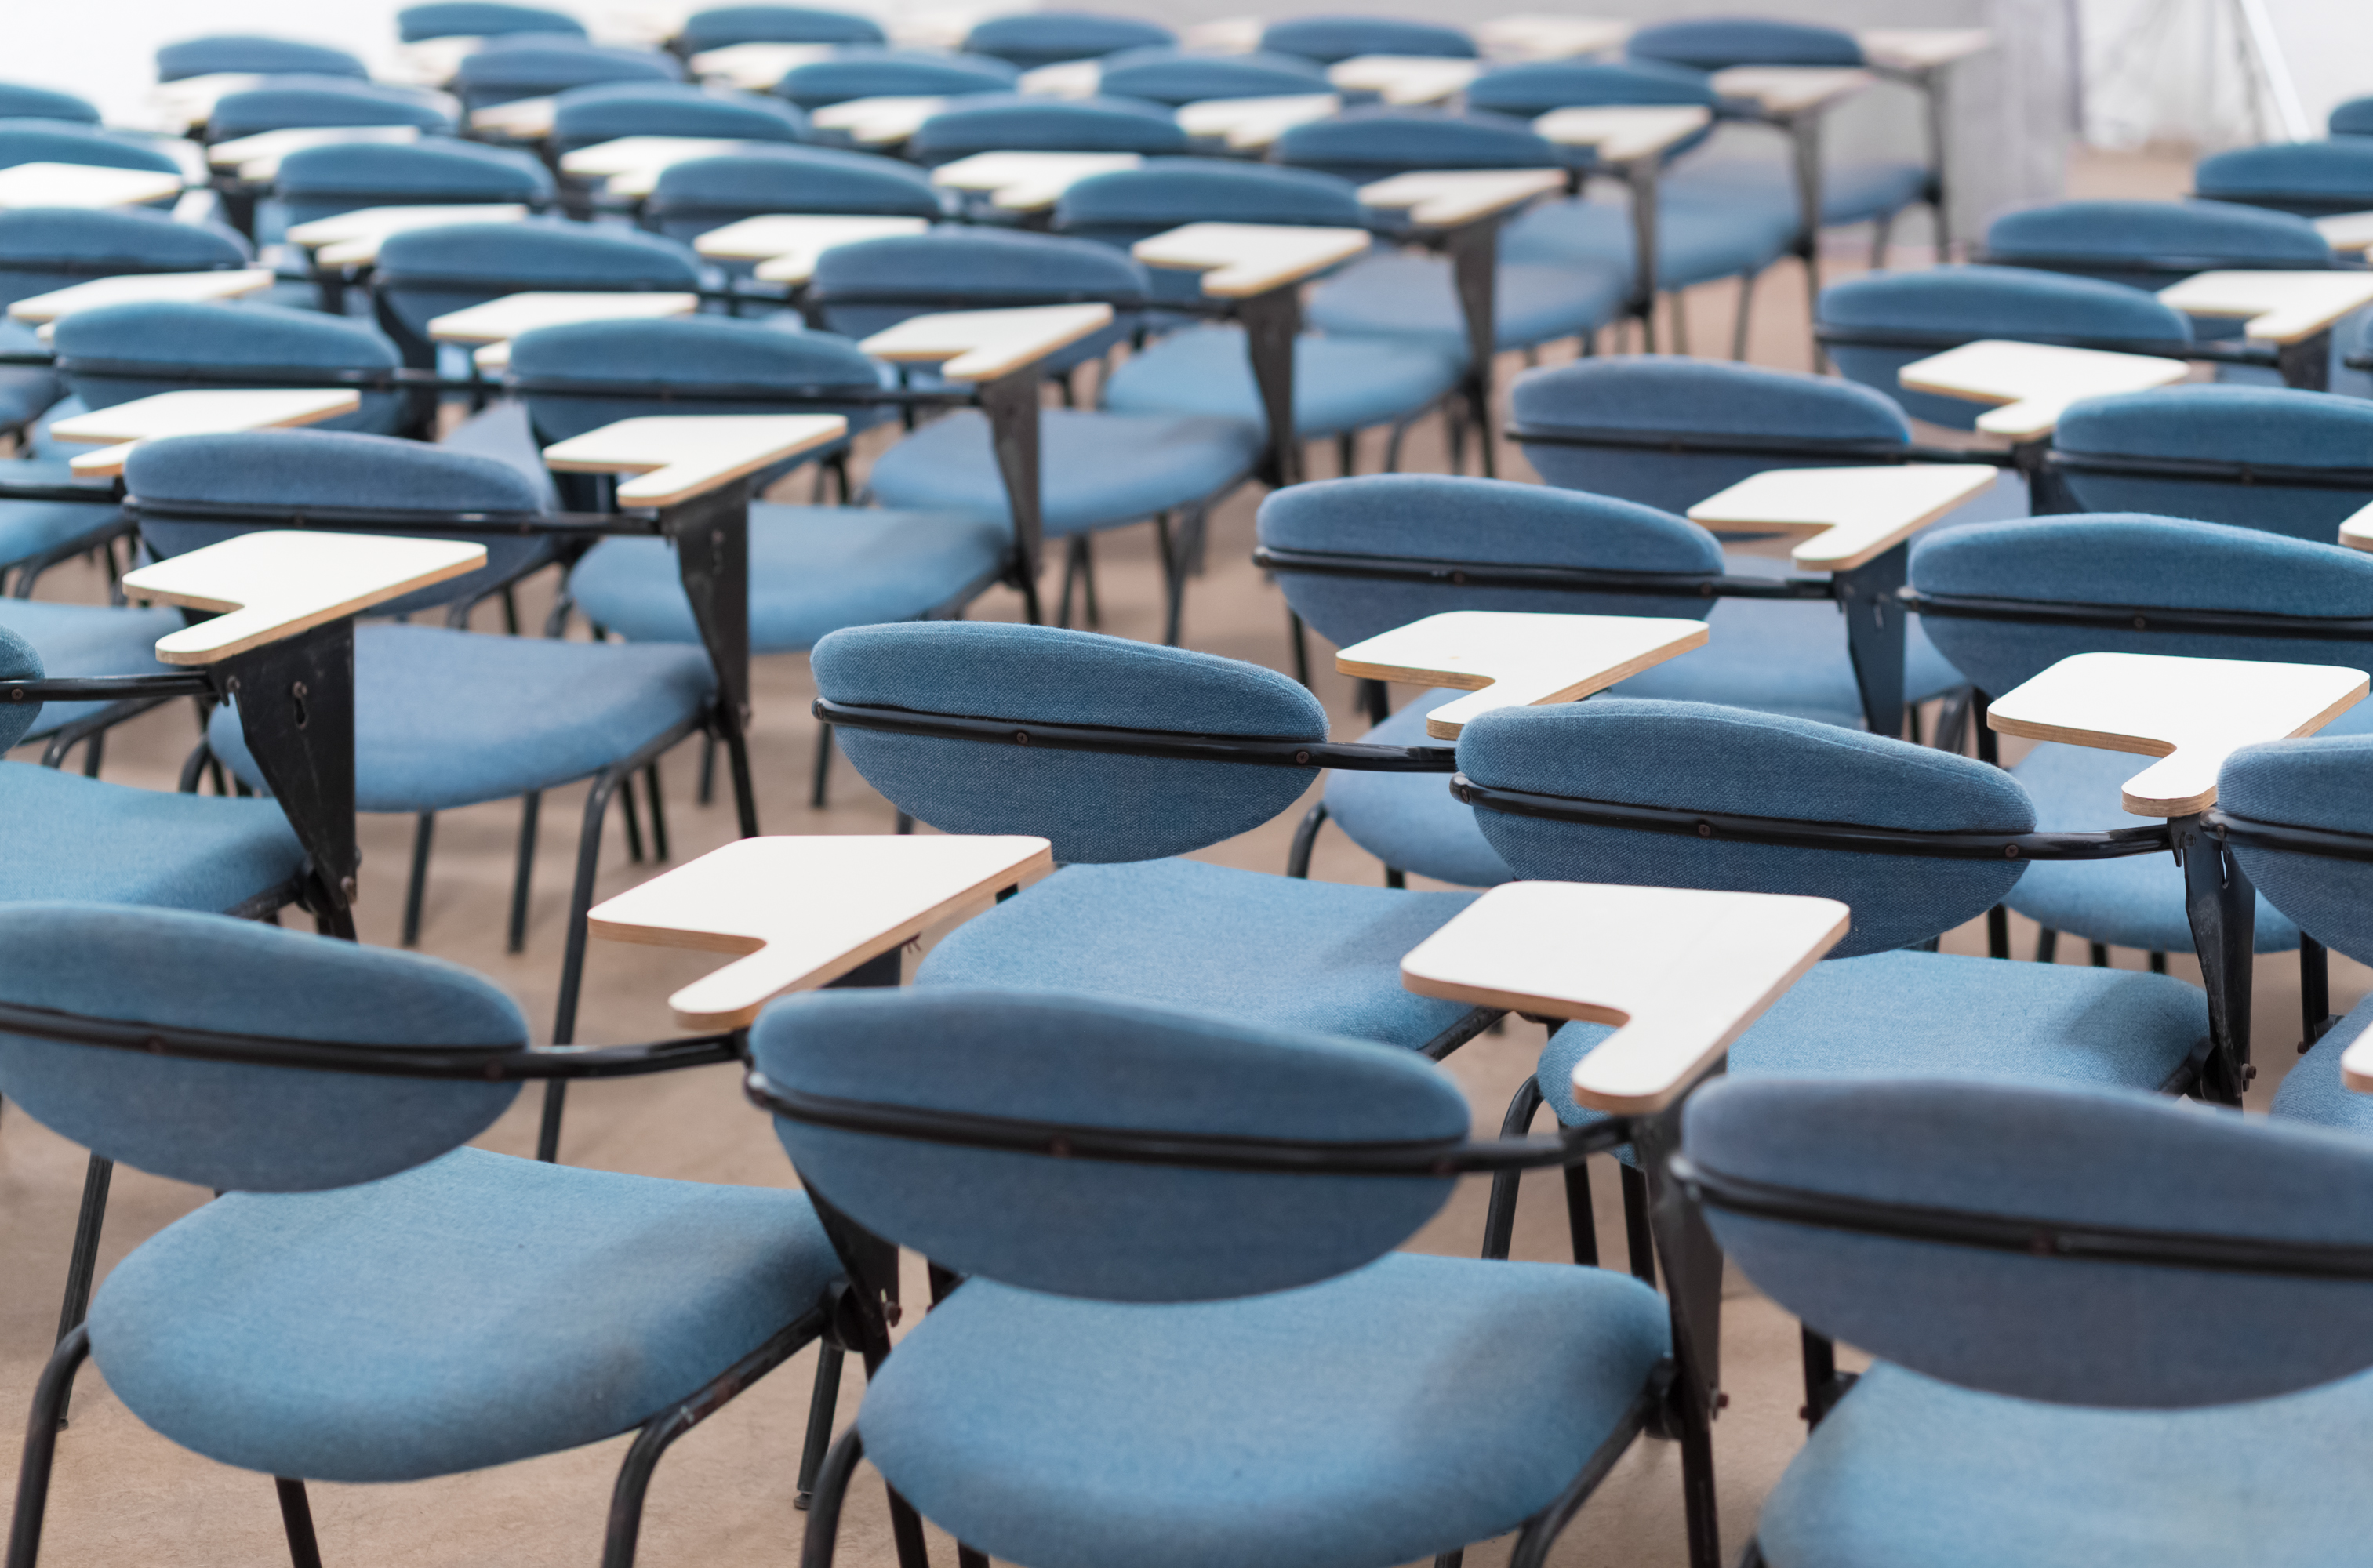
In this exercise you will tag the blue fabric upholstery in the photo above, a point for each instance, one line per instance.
(2315, 783)
(2313, 1090)
(1913, 1472)
(1031, 39)
(30, 529)
(503, 433)
(446, 719)
(320, 182)
(1339, 384)
(1320, 956)
(1860, 191)
(582, 116)
(2308, 178)
(19, 660)
(419, 271)
(2045, 1328)
(236, 1125)
(1982, 302)
(1329, 38)
(539, 66)
(1528, 90)
(1105, 1230)
(721, 27)
(1694, 756)
(38, 244)
(62, 836)
(812, 570)
(982, 268)
(683, 352)
(699, 194)
(480, 18)
(474, 1311)
(1710, 43)
(1411, 299)
(252, 54)
(1024, 122)
(892, 73)
(1095, 807)
(286, 102)
(2354, 118)
(22, 101)
(2116, 239)
(1699, 239)
(58, 141)
(1411, 820)
(1123, 207)
(1374, 141)
(1408, 1409)
(2272, 425)
(179, 342)
(1178, 76)
(78, 640)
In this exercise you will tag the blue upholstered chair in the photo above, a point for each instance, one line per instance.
(2311, 179)
(285, 102)
(582, 116)
(540, 65)
(22, 101)
(2110, 1330)
(480, 18)
(60, 141)
(702, 193)
(1331, 39)
(892, 73)
(1023, 122)
(720, 27)
(321, 182)
(370, 1300)
(1097, 469)
(113, 354)
(2354, 118)
(1197, 1360)
(1126, 919)
(2271, 458)
(81, 641)
(1027, 39)
(1535, 88)
(1171, 75)
(250, 54)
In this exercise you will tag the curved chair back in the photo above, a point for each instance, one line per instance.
(1532, 89)
(252, 54)
(1027, 39)
(539, 66)
(2119, 1310)
(22, 101)
(1022, 123)
(892, 73)
(1123, 207)
(1710, 43)
(1093, 805)
(1435, 517)
(238, 1126)
(1084, 1226)
(861, 289)
(2152, 244)
(2324, 783)
(1329, 38)
(702, 193)
(481, 18)
(1956, 305)
(2128, 562)
(2354, 118)
(115, 352)
(287, 102)
(426, 272)
(1667, 431)
(639, 365)
(55, 140)
(268, 479)
(721, 27)
(1698, 757)
(582, 116)
(2273, 457)
(321, 182)
(19, 660)
(44, 249)
(2311, 179)
(1374, 143)
(1178, 76)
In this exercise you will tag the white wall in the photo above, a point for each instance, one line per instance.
(2173, 70)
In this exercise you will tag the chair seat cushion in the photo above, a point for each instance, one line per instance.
(1697, 240)
(812, 570)
(1339, 384)
(1908, 1472)
(2135, 902)
(471, 1311)
(1097, 470)
(31, 529)
(1851, 193)
(1410, 296)
(1785, 656)
(2313, 1090)
(1912, 1015)
(62, 836)
(1411, 820)
(1242, 944)
(80, 640)
(1403, 1410)
(447, 718)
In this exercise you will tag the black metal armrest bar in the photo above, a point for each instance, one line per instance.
(819, 393)
(2138, 618)
(2288, 474)
(2008, 1233)
(466, 525)
(1700, 443)
(1195, 1150)
(952, 299)
(371, 378)
(2218, 351)
(2330, 843)
(1259, 750)
(98, 495)
(2360, 361)
(106, 687)
(480, 1063)
(1797, 833)
(2091, 265)
(1498, 575)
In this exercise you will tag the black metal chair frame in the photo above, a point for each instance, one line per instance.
(2228, 828)
(2305, 365)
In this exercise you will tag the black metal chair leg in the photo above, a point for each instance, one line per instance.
(2157, 962)
(970, 1557)
(572, 963)
(707, 770)
(82, 1264)
(2100, 954)
(658, 814)
(2047, 945)
(297, 1521)
(630, 818)
(1580, 1217)
(94, 753)
(1396, 878)
(415, 889)
(745, 794)
(1297, 859)
(823, 1517)
(1638, 1240)
(1174, 578)
(1298, 636)
(816, 793)
(530, 811)
(1347, 453)
(1998, 933)
(1745, 305)
(821, 1402)
(1450, 1559)
(41, 1447)
(1393, 449)
(1500, 1219)
(1090, 611)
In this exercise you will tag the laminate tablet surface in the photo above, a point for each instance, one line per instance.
(257, 157)
(636, 155)
(676, 456)
(1445, 198)
(981, 345)
(1921, 49)
(496, 321)
(2191, 713)
(1028, 182)
(353, 239)
(1069, 78)
(1540, 35)
(2349, 232)
(1239, 260)
(1223, 35)
(132, 288)
(195, 411)
(1620, 133)
(1791, 90)
(2034, 382)
(1681, 972)
(1408, 80)
(1253, 124)
(1514, 659)
(1850, 515)
(2357, 532)
(757, 67)
(273, 584)
(84, 185)
(877, 122)
(524, 119)
(787, 246)
(804, 911)
(2282, 307)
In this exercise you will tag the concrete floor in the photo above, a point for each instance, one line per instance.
(723, 1495)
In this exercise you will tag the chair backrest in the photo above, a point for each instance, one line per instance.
(44, 249)
(320, 182)
(2263, 430)
(19, 660)
(235, 1126)
(1093, 805)
(1179, 75)
(1956, 305)
(1439, 518)
(1031, 39)
(1698, 757)
(2354, 118)
(1329, 38)
(582, 116)
(480, 18)
(2152, 244)
(954, 268)
(892, 73)
(426, 272)
(2123, 561)
(682, 353)
(251, 55)
(1023, 122)
(1374, 143)
(2311, 179)
(1529, 90)
(113, 354)
(2122, 1174)
(56, 141)
(1668, 420)
(537, 65)
(1084, 1226)
(286, 102)
(2323, 783)
(1121, 208)
(702, 193)
(22, 101)
(281, 475)
(720, 27)
(1710, 43)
